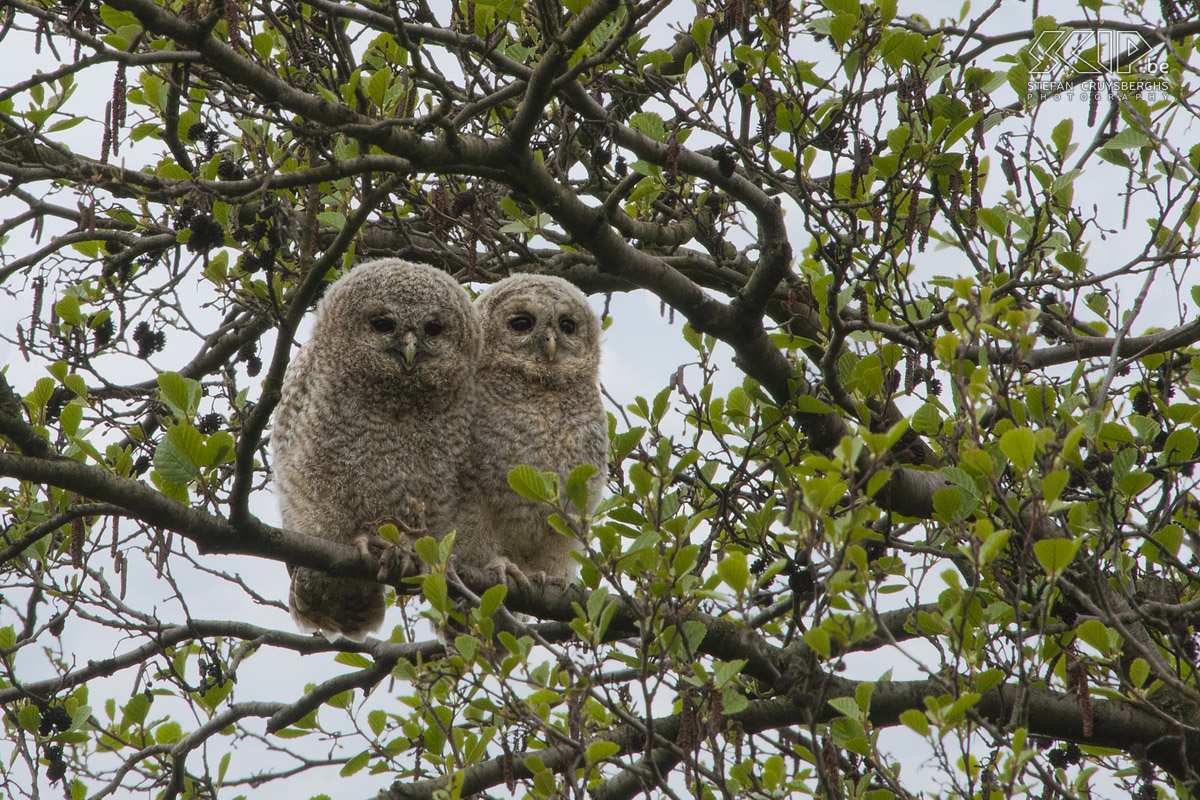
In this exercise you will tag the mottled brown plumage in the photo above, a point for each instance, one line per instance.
(537, 402)
(373, 423)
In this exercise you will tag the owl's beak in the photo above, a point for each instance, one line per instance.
(408, 350)
(549, 345)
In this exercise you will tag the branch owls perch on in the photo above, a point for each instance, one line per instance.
(373, 422)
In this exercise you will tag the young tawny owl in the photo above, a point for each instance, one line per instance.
(537, 402)
(373, 424)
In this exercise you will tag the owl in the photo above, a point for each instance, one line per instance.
(373, 424)
(537, 402)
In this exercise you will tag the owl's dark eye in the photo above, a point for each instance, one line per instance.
(383, 324)
(566, 325)
(434, 328)
(521, 323)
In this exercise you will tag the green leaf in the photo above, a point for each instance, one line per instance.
(182, 395)
(818, 640)
(1115, 432)
(117, 19)
(218, 449)
(841, 28)
(333, 219)
(342, 700)
(68, 310)
(216, 695)
(867, 376)
(427, 549)
(37, 399)
(946, 503)
(263, 44)
(1096, 634)
(467, 646)
(1054, 483)
(1180, 445)
(733, 701)
(1020, 446)
(353, 660)
(389, 533)
(491, 599)
(650, 124)
(434, 588)
(733, 570)
(533, 485)
(1061, 136)
(1055, 554)
(377, 720)
(171, 170)
(811, 405)
(29, 718)
(642, 480)
(962, 705)
(168, 732)
(577, 485)
(378, 85)
(927, 419)
(862, 696)
(724, 672)
(1169, 539)
(179, 455)
(80, 717)
(70, 417)
(134, 712)
(846, 706)
(598, 751)
(993, 545)
(1125, 140)
(1018, 79)
(291, 733)
(355, 764)
(916, 721)
(76, 384)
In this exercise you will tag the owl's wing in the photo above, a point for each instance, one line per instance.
(294, 397)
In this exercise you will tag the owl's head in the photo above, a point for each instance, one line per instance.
(400, 327)
(540, 327)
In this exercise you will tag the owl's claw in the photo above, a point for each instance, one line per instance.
(505, 569)
(557, 581)
(374, 547)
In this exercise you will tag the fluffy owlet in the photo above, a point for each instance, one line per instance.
(373, 424)
(537, 402)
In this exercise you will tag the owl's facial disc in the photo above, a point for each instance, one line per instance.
(403, 346)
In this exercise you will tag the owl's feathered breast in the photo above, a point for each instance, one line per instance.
(348, 453)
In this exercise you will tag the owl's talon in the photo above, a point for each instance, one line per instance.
(505, 569)
(374, 547)
(403, 557)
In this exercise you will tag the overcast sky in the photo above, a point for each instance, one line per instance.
(641, 350)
